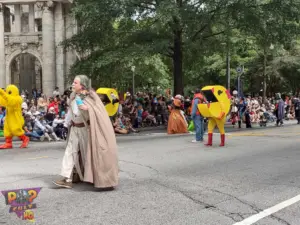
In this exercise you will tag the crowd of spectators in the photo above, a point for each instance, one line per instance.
(141, 110)
(254, 110)
(45, 117)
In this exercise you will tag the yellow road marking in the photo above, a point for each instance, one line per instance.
(264, 134)
(41, 157)
(249, 134)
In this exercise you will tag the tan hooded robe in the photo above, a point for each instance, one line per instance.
(100, 158)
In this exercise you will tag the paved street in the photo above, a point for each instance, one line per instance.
(168, 180)
(228, 127)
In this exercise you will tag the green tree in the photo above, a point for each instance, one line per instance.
(271, 22)
(189, 39)
(177, 29)
(144, 28)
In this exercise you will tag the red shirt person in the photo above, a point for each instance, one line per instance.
(55, 105)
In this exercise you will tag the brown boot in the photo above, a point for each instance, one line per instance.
(63, 183)
(8, 143)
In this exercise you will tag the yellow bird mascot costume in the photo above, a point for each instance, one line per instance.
(215, 108)
(14, 121)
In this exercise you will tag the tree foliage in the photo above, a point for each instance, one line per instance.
(185, 42)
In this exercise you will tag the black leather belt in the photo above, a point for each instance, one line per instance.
(73, 124)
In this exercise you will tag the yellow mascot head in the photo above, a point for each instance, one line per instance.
(218, 101)
(110, 99)
(12, 90)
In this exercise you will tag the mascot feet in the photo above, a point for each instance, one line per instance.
(8, 143)
(209, 141)
(25, 140)
(222, 140)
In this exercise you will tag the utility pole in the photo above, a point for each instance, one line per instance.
(240, 71)
(133, 84)
(228, 54)
(228, 70)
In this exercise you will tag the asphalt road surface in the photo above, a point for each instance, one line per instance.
(169, 180)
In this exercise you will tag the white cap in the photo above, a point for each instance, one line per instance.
(178, 96)
(36, 113)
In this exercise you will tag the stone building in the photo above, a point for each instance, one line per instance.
(30, 35)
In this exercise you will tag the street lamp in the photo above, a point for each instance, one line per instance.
(265, 72)
(240, 71)
(133, 70)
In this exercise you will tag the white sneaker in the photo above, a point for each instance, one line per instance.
(42, 138)
(195, 141)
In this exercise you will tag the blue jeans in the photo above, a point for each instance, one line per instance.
(33, 134)
(199, 127)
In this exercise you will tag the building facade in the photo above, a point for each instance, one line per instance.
(31, 55)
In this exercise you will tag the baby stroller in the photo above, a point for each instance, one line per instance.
(147, 120)
(266, 117)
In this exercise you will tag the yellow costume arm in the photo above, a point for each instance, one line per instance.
(3, 102)
(10, 100)
(222, 113)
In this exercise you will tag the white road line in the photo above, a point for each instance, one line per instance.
(269, 211)
(41, 157)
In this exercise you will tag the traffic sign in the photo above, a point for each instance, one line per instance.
(239, 69)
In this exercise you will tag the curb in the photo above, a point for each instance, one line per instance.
(145, 136)
(149, 137)
(144, 129)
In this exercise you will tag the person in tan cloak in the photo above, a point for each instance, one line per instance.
(91, 146)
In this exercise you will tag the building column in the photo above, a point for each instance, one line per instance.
(12, 25)
(17, 18)
(2, 51)
(59, 37)
(49, 71)
(70, 54)
(31, 21)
